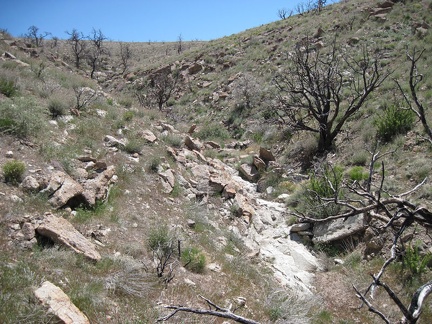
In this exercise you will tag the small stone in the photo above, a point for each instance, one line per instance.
(339, 261)
(214, 267)
(189, 282)
(300, 227)
(15, 227)
(191, 223)
(9, 154)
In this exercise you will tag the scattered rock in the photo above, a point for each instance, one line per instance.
(59, 304)
(97, 188)
(111, 141)
(9, 56)
(212, 144)
(191, 223)
(168, 176)
(214, 267)
(9, 154)
(148, 136)
(189, 282)
(193, 144)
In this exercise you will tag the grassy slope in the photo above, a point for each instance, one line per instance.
(261, 52)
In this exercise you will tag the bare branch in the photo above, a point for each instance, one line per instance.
(218, 312)
(369, 305)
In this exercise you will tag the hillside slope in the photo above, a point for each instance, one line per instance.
(199, 195)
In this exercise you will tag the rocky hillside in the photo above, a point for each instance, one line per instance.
(182, 178)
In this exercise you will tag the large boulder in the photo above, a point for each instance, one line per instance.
(62, 188)
(62, 232)
(59, 304)
(249, 172)
(338, 229)
(266, 155)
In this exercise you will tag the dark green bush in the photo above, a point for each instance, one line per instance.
(154, 164)
(14, 171)
(394, 121)
(56, 108)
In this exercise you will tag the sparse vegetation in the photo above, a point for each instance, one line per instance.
(205, 235)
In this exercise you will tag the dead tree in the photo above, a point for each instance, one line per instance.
(125, 56)
(77, 44)
(161, 86)
(213, 310)
(391, 211)
(320, 5)
(284, 14)
(411, 98)
(83, 97)
(35, 37)
(96, 50)
(311, 92)
(179, 44)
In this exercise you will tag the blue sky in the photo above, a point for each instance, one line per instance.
(141, 21)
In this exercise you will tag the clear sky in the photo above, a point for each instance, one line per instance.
(142, 20)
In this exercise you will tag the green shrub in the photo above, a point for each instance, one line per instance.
(159, 238)
(414, 261)
(357, 173)
(7, 87)
(173, 140)
(394, 121)
(194, 260)
(324, 184)
(359, 158)
(14, 171)
(56, 108)
(133, 146)
(213, 132)
(128, 115)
